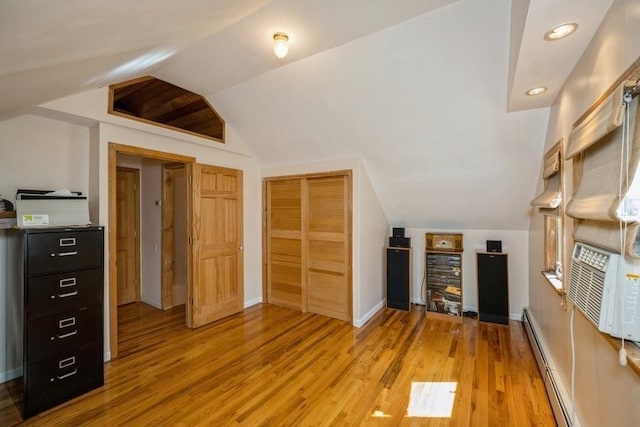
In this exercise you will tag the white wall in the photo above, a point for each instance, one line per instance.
(514, 243)
(370, 228)
(44, 154)
(606, 393)
(372, 234)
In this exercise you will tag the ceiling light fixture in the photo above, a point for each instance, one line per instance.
(280, 45)
(560, 31)
(536, 91)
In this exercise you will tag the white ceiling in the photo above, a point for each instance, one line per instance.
(419, 89)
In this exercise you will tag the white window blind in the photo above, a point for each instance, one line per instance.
(600, 202)
(549, 200)
(602, 120)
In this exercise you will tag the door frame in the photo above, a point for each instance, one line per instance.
(114, 149)
(168, 232)
(136, 220)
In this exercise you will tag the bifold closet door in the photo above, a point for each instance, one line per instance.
(284, 242)
(328, 253)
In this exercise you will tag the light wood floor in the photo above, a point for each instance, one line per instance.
(271, 366)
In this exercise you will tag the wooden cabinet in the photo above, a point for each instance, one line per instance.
(55, 287)
(399, 278)
(443, 275)
(444, 284)
(493, 287)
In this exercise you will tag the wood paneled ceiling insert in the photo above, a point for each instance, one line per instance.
(154, 101)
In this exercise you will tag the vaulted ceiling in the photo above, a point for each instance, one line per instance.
(429, 93)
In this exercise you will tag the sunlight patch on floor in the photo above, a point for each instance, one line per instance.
(379, 414)
(432, 399)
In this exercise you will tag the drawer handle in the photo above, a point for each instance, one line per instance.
(69, 241)
(68, 253)
(61, 377)
(65, 283)
(65, 323)
(63, 336)
(70, 361)
(68, 294)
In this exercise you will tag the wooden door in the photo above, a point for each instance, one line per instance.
(284, 228)
(127, 235)
(174, 232)
(329, 246)
(217, 258)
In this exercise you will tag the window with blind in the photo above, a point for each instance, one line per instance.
(549, 204)
(606, 200)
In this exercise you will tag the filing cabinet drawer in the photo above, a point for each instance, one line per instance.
(63, 251)
(57, 293)
(55, 380)
(64, 332)
(57, 275)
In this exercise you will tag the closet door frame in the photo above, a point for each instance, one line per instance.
(348, 174)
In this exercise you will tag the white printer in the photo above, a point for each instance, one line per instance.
(43, 208)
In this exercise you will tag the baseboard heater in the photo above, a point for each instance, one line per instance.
(560, 409)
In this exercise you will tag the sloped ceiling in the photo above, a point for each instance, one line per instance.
(423, 103)
(419, 89)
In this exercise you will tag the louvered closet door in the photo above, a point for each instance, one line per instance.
(284, 242)
(328, 246)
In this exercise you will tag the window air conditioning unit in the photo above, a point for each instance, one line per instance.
(605, 287)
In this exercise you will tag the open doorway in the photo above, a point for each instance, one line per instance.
(214, 258)
(139, 306)
(150, 252)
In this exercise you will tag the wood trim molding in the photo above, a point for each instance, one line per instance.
(154, 154)
(162, 125)
(310, 175)
(631, 73)
(114, 149)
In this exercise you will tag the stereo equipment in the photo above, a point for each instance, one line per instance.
(399, 278)
(449, 242)
(400, 242)
(493, 288)
(398, 232)
(494, 245)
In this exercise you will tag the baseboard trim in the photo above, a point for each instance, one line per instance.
(10, 375)
(358, 323)
(250, 302)
(559, 396)
(151, 302)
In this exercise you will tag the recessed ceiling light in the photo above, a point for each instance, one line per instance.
(536, 91)
(560, 31)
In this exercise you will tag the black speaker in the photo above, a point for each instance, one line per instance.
(493, 288)
(398, 232)
(400, 242)
(398, 278)
(494, 245)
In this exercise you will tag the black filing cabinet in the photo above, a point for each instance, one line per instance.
(55, 302)
(493, 287)
(399, 278)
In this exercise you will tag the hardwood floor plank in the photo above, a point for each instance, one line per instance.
(272, 366)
